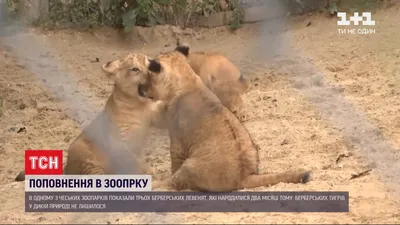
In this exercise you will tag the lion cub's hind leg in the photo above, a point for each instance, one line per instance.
(258, 180)
(94, 170)
(144, 167)
(178, 182)
(87, 168)
(165, 185)
(195, 175)
(176, 154)
(180, 179)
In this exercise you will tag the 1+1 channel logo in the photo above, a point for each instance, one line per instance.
(365, 18)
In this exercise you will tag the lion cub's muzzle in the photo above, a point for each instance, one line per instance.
(143, 90)
(237, 111)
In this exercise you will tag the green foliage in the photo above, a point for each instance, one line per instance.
(331, 7)
(127, 13)
(180, 12)
(144, 13)
(362, 5)
(82, 13)
(207, 7)
(238, 15)
(11, 11)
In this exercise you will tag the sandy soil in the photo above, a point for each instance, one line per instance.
(288, 128)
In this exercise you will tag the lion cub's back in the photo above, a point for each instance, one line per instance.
(239, 132)
(229, 133)
(215, 64)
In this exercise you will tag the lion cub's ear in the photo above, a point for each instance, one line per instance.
(110, 68)
(154, 66)
(184, 49)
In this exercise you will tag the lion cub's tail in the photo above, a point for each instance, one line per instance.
(259, 180)
(20, 176)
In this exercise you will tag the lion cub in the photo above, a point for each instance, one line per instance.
(210, 149)
(220, 75)
(112, 143)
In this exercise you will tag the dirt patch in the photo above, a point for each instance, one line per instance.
(289, 130)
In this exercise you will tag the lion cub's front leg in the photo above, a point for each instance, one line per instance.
(176, 154)
(158, 110)
(143, 167)
(157, 113)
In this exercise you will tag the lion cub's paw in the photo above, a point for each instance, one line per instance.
(158, 106)
(161, 185)
(145, 168)
(149, 171)
(243, 117)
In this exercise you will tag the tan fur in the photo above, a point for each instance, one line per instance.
(123, 124)
(221, 76)
(210, 149)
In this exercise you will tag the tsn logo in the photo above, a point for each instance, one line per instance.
(43, 162)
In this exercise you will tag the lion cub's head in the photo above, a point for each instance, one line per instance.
(170, 74)
(130, 74)
(228, 92)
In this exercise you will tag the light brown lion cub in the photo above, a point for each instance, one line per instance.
(220, 75)
(210, 149)
(112, 143)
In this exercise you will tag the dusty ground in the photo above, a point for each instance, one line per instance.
(287, 127)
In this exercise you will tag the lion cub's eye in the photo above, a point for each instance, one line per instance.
(135, 69)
